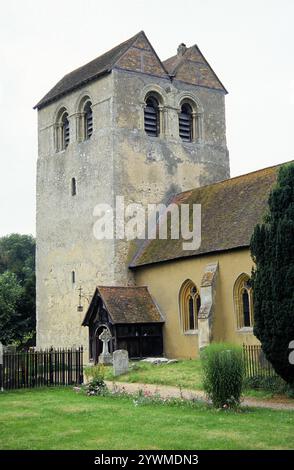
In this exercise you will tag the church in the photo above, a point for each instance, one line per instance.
(128, 124)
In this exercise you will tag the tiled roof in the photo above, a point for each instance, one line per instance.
(230, 210)
(192, 67)
(127, 305)
(88, 72)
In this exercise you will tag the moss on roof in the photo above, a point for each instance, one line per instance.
(88, 72)
(126, 305)
(230, 210)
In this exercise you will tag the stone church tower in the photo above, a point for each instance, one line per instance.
(124, 124)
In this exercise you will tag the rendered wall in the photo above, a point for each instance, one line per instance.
(164, 281)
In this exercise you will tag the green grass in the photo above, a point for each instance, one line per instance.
(184, 374)
(63, 419)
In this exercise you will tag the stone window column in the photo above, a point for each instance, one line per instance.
(80, 126)
(58, 137)
(198, 119)
(195, 130)
(161, 118)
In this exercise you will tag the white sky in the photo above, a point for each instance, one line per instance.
(248, 43)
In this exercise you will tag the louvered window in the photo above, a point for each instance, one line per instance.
(151, 117)
(88, 120)
(65, 131)
(186, 123)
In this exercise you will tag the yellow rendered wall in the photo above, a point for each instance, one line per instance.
(164, 281)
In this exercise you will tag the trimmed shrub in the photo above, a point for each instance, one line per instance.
(223, 373)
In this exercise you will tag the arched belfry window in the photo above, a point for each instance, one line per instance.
(186, 123)
(62, 130)
(88, 120)
(84, 119)
(190, 304)
(243, 300)
(65, 131)
(152, 116)
(190, 120)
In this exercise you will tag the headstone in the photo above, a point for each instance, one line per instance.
(105, 357)
(120, 362)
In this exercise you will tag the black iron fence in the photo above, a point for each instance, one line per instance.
(256, 364)
(41, 368)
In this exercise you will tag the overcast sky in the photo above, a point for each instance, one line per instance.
(248, 43)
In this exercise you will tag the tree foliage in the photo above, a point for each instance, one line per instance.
(17, 288)
(10, 298)
(272, 249)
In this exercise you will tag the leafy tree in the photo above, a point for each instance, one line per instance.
(272, 249)
(17, 265)
(17, 254)
(11, 323)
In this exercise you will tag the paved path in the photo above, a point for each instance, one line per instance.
(168, 391)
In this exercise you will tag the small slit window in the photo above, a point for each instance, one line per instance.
(73, 187)
(151, 117)
(73, 277)
(186, 123)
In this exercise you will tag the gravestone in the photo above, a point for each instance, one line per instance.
(105, 357)
(120, 362)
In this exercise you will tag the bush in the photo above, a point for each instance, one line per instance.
(223, 372)
(96, 385)
(274, 384)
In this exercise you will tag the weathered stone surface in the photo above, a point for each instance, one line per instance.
(159, 360)
(105, 357)
(118, 159)
(206, 312)
(120, 362)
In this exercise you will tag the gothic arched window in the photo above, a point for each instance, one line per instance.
(186, 123)
(190, 304)
(152, 116)
(243, 300)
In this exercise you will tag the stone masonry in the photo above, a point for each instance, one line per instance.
(118, 159)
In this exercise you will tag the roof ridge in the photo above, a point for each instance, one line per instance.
(115, 53)
(119, 287)
(106, 52)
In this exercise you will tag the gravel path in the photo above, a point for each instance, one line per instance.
(168, 391)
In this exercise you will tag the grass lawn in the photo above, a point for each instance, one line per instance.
(184, 374)
(62, 419)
